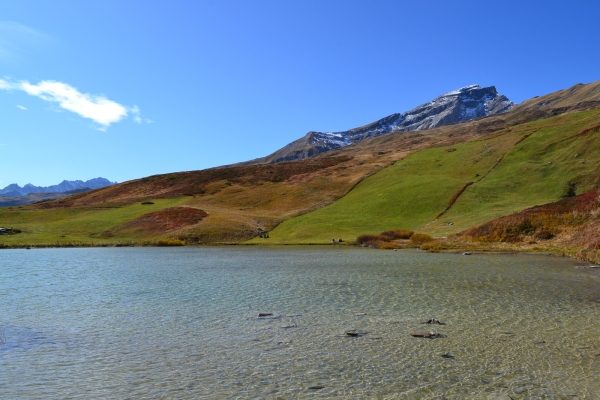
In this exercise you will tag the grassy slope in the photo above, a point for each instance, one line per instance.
(74, 225)
(240, 201)
(410, 193)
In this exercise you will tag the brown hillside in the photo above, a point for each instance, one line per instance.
(160, 222)
(577, 96)
(571, 224)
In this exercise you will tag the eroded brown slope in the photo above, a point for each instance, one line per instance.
(571, 226)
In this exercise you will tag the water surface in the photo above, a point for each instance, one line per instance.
(182, 323)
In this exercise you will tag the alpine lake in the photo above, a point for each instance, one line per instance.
(184, 323)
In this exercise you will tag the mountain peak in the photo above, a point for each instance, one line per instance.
(64, 186)
(458, 105)
(462, 90)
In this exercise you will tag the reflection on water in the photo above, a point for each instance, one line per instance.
(183, 323)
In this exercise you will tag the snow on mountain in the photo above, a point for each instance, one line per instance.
(64, 186)
(459, 105)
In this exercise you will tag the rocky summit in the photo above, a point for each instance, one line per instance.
(456, 106)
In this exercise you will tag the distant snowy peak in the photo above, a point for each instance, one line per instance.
(64, 186)
(459, 105)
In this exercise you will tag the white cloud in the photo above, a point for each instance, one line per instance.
(97, 108)
(21, 107)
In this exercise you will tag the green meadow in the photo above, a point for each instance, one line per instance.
(73, 226)
(512, 169)
(503, 173)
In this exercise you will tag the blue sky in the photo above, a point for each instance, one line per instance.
(126, 89)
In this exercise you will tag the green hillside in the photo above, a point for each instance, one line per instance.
(511, 169)
(63, 226)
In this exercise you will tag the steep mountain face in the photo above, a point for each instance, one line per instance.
(456, 106)
(64, 186)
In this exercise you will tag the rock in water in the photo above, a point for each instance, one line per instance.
(433, 321)
(428, 335)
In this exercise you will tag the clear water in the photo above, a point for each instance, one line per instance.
(182, 323)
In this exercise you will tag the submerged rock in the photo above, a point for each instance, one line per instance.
(354, 333)
(433, 321)
(428, 335)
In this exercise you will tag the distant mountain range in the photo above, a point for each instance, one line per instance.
(456, 106)
(15, 190)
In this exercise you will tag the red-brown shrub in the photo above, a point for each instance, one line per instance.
(397, 234)
(365, 239)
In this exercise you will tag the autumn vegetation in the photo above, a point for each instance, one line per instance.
(438, 183)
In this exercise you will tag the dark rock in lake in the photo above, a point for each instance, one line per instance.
(428, 335)
(434, 321)
(354, 333)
